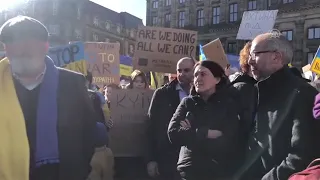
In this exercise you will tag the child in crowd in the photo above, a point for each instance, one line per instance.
(102, 161)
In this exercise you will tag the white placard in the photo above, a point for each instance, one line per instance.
(256, 22)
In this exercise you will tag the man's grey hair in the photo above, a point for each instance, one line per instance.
(277, 42)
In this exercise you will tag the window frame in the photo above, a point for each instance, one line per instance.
(181, 21)
(234, 47)
(200, 17)
(216, 16)
(314, 30)
(253, 4)
(153, 19)
(234, 13)
(155, 4)
(285, 33)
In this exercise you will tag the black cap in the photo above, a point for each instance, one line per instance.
(23, 28)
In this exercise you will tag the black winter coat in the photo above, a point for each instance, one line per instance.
(284, 101)
(200, 157)
(164, 103)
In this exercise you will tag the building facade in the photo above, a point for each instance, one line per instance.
(298, 20)
(79, 20)
(105, 25)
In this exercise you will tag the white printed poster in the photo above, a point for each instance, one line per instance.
(256, 22)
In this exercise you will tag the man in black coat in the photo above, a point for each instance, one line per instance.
(285, 138)
(66, 126)
(162, 155)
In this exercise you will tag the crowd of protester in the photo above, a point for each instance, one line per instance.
(204, 123)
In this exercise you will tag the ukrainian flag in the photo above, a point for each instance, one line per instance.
(315, 66)
(202, 56)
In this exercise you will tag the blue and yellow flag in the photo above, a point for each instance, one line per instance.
(202, 56)
(156, 80)
(315, 65)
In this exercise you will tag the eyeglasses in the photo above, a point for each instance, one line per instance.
(254, 54)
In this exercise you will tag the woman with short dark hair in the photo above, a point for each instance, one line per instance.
(206, 126)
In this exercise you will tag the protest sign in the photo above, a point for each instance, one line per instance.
(63, 55)
(159, 49)
(79, 66)
(315, 65)
(129, 114)
(256, 22)
(103, 62)
(215, 52)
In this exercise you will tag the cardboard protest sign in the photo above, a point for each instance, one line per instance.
(63, 55)
(129, 114)
(214, 51)
(315, 65)
(256, 22)
(159, 49)
(103, 61)
(79, 66)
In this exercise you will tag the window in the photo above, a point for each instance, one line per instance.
(310, 57)
(287, 1)
(269, 3)
(314, 33)
(168, 2)
(288, 34)
(155, 4)
(252, 5)
(232, 48)
(107, 40)
(215, 15)
(77, 33)
(96, 21)
(233, 10)
(54, 29)
(181, 18)
(167, 18)
(119, 28)
(79, 12)
(54, 7)
(200, 18)
(132, 33)
(182, 1)
(108, 25)
(95, 37)
(154, 21)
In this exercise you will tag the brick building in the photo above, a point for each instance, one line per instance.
(79, 20)
(299, 20)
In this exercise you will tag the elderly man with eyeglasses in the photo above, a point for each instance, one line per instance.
(284, 139)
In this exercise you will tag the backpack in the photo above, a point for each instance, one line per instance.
(311, 173)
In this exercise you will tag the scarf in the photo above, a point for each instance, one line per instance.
(15, 151)
(47, 117)
(14, 154)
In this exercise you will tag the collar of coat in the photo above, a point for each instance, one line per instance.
(277, 80)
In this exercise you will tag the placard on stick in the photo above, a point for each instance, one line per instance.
(254, 23)
(67, 54)
(129, 113)
(159, 49)
(103, 62)
(214, 51)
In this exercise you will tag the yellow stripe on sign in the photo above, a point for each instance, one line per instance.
(79, 66)
(315, 66)
(125, 70)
